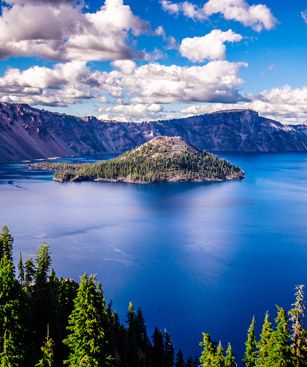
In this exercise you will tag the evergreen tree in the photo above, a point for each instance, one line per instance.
(6, 244)
(86, 336)
(219, 358)
(298, 337)
(179, 359)
(209, 350)
(47, 350)
(250, 346)
(230, 360)
(280, 353)
(11, 321)
(141, 330)
(9, 356)
(21, 270)
(29, 271)
(265, 343)
(168, 350)
(158, 347)
(43, 262)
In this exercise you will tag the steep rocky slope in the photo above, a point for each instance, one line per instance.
(28, 133)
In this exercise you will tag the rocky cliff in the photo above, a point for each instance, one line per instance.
(29, 133)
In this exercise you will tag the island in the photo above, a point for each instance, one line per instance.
(162, 159)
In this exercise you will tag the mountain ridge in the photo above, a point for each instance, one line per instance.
(31, 133)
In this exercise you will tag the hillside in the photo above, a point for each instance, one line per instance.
(162, 159)
(29, 133)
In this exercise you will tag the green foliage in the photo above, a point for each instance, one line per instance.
(21, 270)
(230, 360)
(219, 358)
(298, 334)
(280, 352)
(6, 244)
(47, 349)
(155, 161)
(94, 337)
(11, 322)
(10, 355)
(86, 339)
(29, 270)
(207, 358)
(43, 263)
(265, 343)
(250, 356)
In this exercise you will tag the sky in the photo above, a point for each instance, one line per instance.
(137, 60)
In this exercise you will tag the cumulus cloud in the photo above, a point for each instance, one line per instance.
(61, 85)
(142, 88)
(283, 104)
(134, 112)
(258, 16)
(60, 31)
(209, 47)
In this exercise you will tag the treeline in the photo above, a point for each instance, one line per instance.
(283, 344)
(46, 321)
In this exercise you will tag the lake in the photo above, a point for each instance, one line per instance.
(194, 257)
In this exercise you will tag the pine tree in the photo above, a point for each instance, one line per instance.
(158, 347)
(219, 358)
(250, 346)
(179, 359)
(230, 360)
(86, 338)
(47, 350)
(209, 350)
(9, 356)
(11, 321)
(29, 271)
(280, 354)
(168, 350)
(21, 270)
(43, 263)
(298, 337)
(6, 244)
(132, 337)
(265, 343)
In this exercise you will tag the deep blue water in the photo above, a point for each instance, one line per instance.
(195, 257)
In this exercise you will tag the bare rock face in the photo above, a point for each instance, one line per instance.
(29, 133)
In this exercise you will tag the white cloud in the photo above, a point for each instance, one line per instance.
(209, 47)
(170, 7)
(59, 86)
(150, 84)
(135, 112)
(304, 15)
(283, 104)
(61, 31)
(258, 16)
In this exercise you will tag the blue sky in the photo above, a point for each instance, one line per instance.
(141, 60)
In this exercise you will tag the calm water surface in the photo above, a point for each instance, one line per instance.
(195, 257)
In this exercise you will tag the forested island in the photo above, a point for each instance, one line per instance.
(162, 159)
(48, 321)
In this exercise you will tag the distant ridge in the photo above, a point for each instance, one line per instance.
(29, 133)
